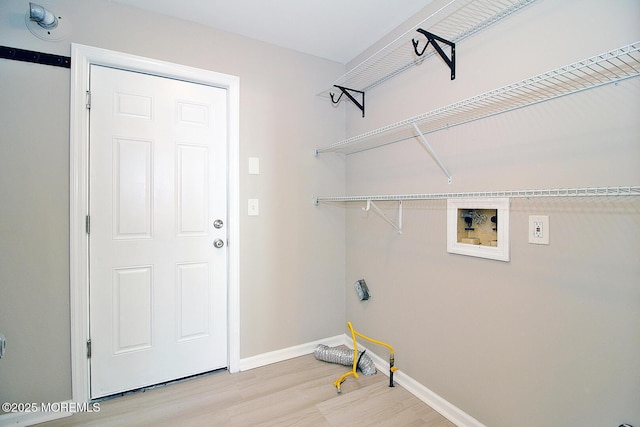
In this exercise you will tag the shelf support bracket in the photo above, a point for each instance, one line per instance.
(433, 153)
(397, 226)
(346, 91)
(433, 39)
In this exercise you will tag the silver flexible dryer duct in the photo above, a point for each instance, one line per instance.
(344, 356)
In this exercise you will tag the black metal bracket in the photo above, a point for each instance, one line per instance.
(433, 39)
(36, 57)
(345, 91)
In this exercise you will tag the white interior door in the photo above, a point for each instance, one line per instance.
(158, 182)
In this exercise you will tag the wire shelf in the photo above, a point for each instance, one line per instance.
(609, 67)
(558, 192)
(455, 21)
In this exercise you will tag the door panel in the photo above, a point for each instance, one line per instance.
(133, 181)
(193, 190)
(132, 302)
(158, 286)
(192, 320)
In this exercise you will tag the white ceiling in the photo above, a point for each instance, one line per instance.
(335, 29)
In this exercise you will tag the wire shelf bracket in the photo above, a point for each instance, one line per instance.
(433, 40)
(398, 225)
(455, 21)
(433, 153)
(346, 91)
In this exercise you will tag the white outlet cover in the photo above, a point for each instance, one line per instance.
(539, 229)
(253, 207)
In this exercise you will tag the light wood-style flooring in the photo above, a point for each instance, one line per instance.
(296, 392)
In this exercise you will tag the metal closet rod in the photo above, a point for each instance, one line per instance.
(557, 192)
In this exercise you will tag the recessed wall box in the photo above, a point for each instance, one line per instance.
(362, 289)
(478, 227)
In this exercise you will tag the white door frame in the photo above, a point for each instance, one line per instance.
(81, 59)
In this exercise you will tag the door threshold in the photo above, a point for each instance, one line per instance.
(159, 385)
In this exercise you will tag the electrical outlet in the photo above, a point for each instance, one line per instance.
(253, 207)
(539, 229)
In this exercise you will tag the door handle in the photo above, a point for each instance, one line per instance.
(218, 223)
(218, 243)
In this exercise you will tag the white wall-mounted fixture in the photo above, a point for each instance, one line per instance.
(45, 24)
(42, 16)
(254, 166)
(253, 207)
(539, 229)
(458, 242)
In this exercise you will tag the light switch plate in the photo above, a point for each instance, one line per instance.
(539, 229)
(254, 166)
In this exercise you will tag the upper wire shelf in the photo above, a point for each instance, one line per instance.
(455, 21)
(608, 67)
(558, 192)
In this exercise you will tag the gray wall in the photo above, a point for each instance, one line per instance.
(292, 255)
(34, 233)
(551, 338)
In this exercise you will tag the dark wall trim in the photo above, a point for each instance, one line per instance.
(37, 57)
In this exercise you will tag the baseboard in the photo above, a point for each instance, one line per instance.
(442, 406)
(31, 418)
(288, 353)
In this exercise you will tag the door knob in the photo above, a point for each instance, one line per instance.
(218, 243)
(218, 223)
